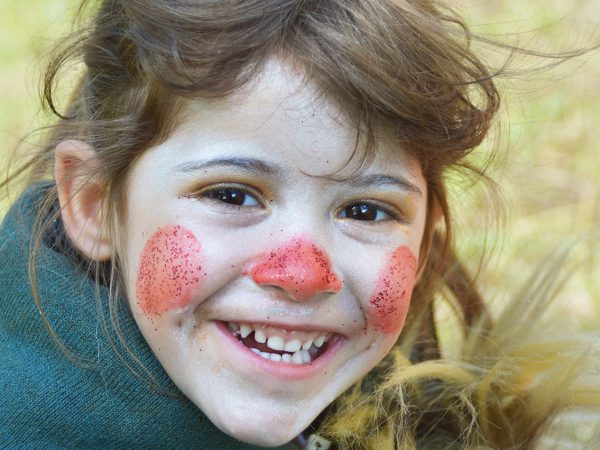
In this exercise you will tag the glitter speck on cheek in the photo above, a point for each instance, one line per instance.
(389, 304)
(170, 269)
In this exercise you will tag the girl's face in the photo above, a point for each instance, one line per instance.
(264, 286)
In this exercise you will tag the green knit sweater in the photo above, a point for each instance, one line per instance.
(49, 402)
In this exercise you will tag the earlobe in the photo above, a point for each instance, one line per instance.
(80, 198)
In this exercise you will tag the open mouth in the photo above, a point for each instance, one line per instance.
(276, 344)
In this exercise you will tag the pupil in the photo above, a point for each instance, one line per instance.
(361, 212)
(231, 196)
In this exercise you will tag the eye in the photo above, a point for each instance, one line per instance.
(365, 212)
(232, 196)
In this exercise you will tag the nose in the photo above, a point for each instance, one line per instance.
(300, 268)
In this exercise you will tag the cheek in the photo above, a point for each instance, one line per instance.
(389, 303)
(170, 270)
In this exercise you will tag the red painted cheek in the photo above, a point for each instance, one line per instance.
(300, 268)
(169, 270)
(389, 304)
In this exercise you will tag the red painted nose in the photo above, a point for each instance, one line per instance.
(300, 268)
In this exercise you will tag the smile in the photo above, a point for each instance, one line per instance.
(279, 345)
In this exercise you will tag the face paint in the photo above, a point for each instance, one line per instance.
(169, 270)
(300, 268)
(389, 304)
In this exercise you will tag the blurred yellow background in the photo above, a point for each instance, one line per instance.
(549, 174)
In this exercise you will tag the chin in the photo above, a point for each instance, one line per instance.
(261, 429)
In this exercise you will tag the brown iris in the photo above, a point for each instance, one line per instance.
(361, 211)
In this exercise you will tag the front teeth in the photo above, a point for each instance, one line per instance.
(275, 342)
(292, 346)
(260, 337)
(299, 357)
(297, 351)
(245, 330)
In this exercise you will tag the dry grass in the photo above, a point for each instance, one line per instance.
(550, 174)
(26, 32)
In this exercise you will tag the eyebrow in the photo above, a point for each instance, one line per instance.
(255, 166)
(386, 180)
(260, 167)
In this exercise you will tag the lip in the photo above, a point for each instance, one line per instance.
(282, 370)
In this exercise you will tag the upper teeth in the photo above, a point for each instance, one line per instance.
(259, 336)
(245, 330)
(281, 340)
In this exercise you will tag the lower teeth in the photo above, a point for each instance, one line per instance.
(300, 357)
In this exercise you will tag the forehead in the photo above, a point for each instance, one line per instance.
(282, 111)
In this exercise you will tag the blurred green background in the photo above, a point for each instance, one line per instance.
(549, 169)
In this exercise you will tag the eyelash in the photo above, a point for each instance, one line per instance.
(388, 214)
(216, 194)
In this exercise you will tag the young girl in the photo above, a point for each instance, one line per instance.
(221, 239)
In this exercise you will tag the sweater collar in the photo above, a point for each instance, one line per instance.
(99, 390)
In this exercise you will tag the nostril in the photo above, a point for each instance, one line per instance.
(301, 268)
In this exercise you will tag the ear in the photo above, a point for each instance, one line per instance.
(80, 198)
